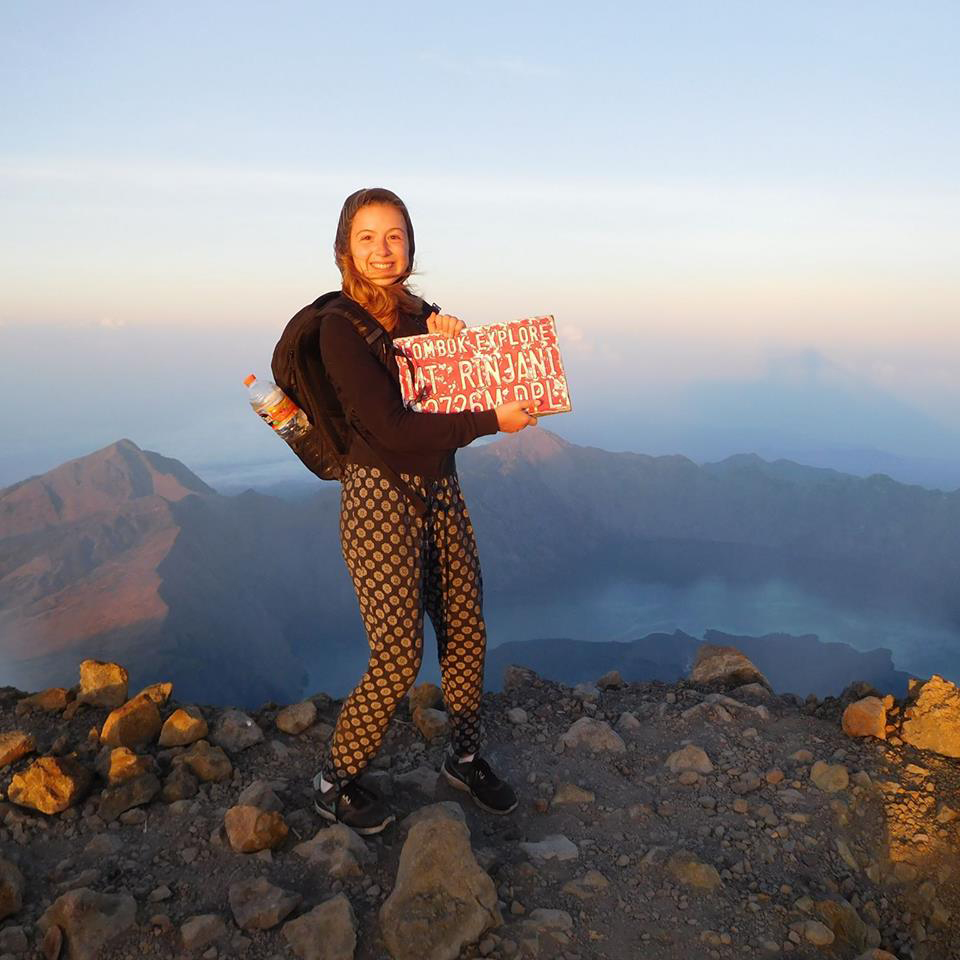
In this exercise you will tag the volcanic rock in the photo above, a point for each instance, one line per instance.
(183, 727)
(593, 735)
(724, 666)
(685, 867)
(829, 777)
(235, 731)
(932, 721)
(426, 696)
(52, 700)
(259, 905)
(90, 920)
(135, 724)
(327, 932)
(102, 684)
(14, 746)
(431, 723)
(11, 889)
(250, 829)
(689, 758)
(201, 931)
(130, 793)
(442, 899)
(866, 718)
(121, 763)
(337, 848)
(206, 762)
(50, 784)
(297, 717)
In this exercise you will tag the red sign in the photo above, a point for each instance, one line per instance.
(483, 367)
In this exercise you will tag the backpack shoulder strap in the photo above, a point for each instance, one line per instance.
(380, 343)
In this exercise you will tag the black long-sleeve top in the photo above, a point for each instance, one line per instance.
(416, 443)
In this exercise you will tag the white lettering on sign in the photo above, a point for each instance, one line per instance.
(485, 366)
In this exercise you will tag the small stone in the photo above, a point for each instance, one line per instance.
(236, 732)
(89, 920)
(53, 700)
(725, 666)
(338, 849)
(184, 726)
(802, 756)
(628, 723)
(259, 905)
(516, 678)
(685, 867)
(431, 723)
(11, 889)
(611, 680)
(866, 718)
(517, 715)
(689, 757)
(159, 693)
(14, 746)
(250, 829)
(829, 777)
(13, 940)
(593, 735)
(131, 793)
(201, 931)
(297, 717)
(424, 696)
(118, 764)
(586, 692)
(554, 847)
(102, 684)
(421, 780)
(816, 933)
(180, 784)
(327, 932)
(209, 764)
(135, 724)
(261, 795)
(589, 885)
(50, 784)
(570, 793)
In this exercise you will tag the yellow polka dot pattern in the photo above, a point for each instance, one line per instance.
(401, 565)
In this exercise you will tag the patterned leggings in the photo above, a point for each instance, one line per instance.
(402, 564)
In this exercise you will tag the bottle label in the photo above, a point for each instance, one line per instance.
(277, 414)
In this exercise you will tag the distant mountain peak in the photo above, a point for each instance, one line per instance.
(93, 484)
(532, 445)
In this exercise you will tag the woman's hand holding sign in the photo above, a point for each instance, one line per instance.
(514, 416)
(445, 324)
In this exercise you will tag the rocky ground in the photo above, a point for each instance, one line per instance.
(709, 818)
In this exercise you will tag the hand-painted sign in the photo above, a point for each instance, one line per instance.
(483, 367)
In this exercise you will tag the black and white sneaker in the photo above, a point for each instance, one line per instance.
(354, 806)
(475, 777)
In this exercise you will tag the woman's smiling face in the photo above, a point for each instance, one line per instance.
(378, 243)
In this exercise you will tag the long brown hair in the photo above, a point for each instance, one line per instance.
(384, 303)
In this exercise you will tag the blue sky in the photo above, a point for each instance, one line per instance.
(704, 194)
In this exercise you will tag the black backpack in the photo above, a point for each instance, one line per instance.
(299, 371)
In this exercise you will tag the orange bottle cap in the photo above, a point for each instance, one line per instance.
(248, 380)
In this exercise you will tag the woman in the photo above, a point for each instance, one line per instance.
(403, 563)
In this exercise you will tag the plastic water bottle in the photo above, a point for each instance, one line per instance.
(277, 409)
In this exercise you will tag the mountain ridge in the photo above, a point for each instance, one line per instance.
(128, 553)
